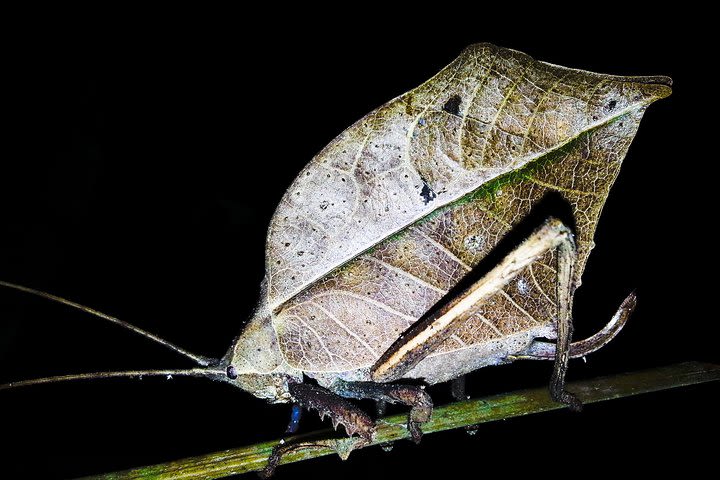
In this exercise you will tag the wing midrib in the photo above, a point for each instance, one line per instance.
(526, 162)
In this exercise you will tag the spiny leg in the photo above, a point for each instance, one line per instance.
(326, 403)
(413, 396)
(340, 411)
(427, 335)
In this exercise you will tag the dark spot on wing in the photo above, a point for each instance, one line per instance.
(452, 106)
(427, 193)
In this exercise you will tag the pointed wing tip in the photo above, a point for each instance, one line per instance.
(664, 80)
(658, 86)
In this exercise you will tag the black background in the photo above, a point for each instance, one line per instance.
(141, 167)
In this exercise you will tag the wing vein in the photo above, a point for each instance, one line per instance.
(332, 317)
(407, 274)
(514, 304)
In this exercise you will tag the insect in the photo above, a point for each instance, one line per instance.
(377, 269)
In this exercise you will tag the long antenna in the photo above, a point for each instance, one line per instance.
(199, 359)
(192, 372)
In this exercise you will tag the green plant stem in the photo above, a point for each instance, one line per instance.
(455, 415)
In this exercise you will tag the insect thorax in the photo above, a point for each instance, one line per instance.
(255, 360)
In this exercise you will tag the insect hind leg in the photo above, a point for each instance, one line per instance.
(428, 334)
(567, 256)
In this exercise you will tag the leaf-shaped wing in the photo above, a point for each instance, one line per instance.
(395, 211)
(489, 112)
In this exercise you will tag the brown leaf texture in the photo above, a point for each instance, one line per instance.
(396, 210)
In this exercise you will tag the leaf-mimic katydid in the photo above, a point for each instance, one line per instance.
(370, 249)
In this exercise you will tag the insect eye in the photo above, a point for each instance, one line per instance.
(231, 373)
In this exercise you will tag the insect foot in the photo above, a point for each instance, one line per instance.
(560, 395)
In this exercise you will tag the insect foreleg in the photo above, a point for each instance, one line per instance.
(340, 411)
(326, 403)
